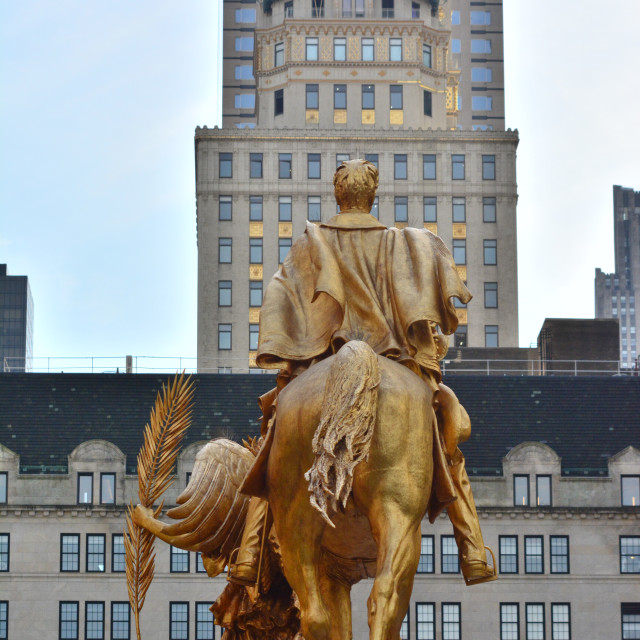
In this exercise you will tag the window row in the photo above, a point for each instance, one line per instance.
(314, 208)
(509, 557)
(225, 341)
(477, 18)
(491, 333)
(107, 489)
(400, 160)
(535, 621)
(425, 612)
(95, 552)
(489, 251)
(94, 620)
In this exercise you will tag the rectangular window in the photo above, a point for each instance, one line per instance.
(255, 250)
(200, 568)
(460, 336)
(481, 103)
(225, 208)
(255, 293)
(404, 629)
(459, 210)
(4, 552)
(455, 17)
(69, 552)
(284, 244)
(85, 488)
(255, 168)
(340, 49)
(224, 250)
(630, 487)
(426, 563)
(311, 49)
(455, 45)
(491, 295)
(400, 166)
(488, 167)
(543, 491)
(244, 43)
(427, 102)
(429, 209)
(312, 96)
(449, 555)
(314, 208)
(205, 629)
(245, 100)
(107, 488)
(118, 561)
(375, 209)
(395, 96)
(94, 620)
(95, 553)
(245, 15)
(224, 337)
(534, 618)
(4, 619)
(395, 49)
(451, 622)
(559, 549)
(481, 74)
(255, 208)
(278, 60)
(284, 166)
(460, 251)
(488, 209)
(508, 553)
(178, 621)
(339, 96)
(428, 166)
(120, 629)
(630, 614)
(68, 621)
(3, 487)
(278, 102)
(457, 167)
(533, 554)
(629, 554)
(372, 158)
(254, 332)
(368, 96)
(560, 622)
(491, 336)
(317, 8)
(426, 55)
(288, 9)
(179, 560)
(458, 304)
(509, 621)
(415, 11)
(481, 18)
(225, 166)
(224, 293)
(425, 621)
(340, 158)
(313, 166)
(244, 72)
(490, 248)
(284, 210)
(400, 209)
(367, 49)
(480, 46)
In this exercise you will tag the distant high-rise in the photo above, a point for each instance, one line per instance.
(616, 293)
(16, 322)
(413, 86)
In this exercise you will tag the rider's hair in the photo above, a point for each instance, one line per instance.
(355, 183)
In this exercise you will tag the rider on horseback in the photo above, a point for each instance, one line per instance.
(352, 278)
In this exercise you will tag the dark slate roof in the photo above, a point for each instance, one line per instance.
(43, 417)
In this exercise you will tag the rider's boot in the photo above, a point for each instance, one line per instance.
(466, 528)
(244, 561)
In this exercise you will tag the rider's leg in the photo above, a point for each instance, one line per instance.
(244, 567)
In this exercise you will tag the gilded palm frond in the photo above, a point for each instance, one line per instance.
(169, 420)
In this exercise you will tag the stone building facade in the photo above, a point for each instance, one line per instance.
(616, 293)
(558, 500)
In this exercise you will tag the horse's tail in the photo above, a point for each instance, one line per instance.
(343, 436)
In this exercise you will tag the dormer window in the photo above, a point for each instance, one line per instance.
(85, 488)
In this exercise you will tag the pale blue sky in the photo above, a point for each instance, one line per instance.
(98, 108)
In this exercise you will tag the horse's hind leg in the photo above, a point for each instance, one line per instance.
(398, 538)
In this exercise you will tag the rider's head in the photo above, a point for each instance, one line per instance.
(355, 183)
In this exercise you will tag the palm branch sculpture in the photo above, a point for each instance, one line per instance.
(168, 423)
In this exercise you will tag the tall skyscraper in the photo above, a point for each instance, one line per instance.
(379, 79)
(16, 322)
(616, 293)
